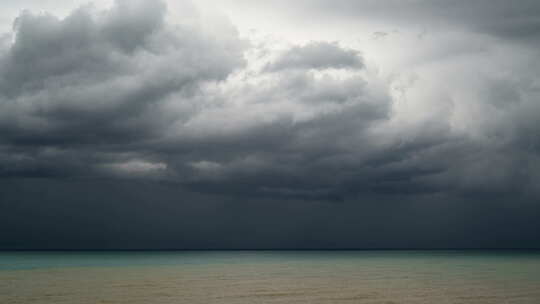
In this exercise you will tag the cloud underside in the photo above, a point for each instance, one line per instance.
(124, 94)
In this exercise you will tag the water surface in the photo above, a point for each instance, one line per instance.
(271, 277)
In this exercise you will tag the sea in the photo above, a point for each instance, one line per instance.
(391, 276)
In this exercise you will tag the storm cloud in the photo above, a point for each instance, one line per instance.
(318, 144)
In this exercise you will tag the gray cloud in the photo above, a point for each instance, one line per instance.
(121, 93)
(94, 81)
(317, 55)
(122, 98)
(498, 17)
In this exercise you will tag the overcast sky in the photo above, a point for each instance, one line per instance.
(269, 124)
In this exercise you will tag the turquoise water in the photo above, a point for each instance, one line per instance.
(271, 277)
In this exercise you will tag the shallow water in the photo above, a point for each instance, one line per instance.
(271, 277)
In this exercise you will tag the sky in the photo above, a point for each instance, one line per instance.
(150, 124)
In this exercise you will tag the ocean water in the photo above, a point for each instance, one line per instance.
(271, 277)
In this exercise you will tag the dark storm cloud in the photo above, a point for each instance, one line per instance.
(120, 120)
(82, 85)
(123, 94)
(102, 70)
(127, 215)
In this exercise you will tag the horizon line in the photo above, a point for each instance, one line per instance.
(259, 249)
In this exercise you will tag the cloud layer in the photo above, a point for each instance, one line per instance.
(127, 95)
